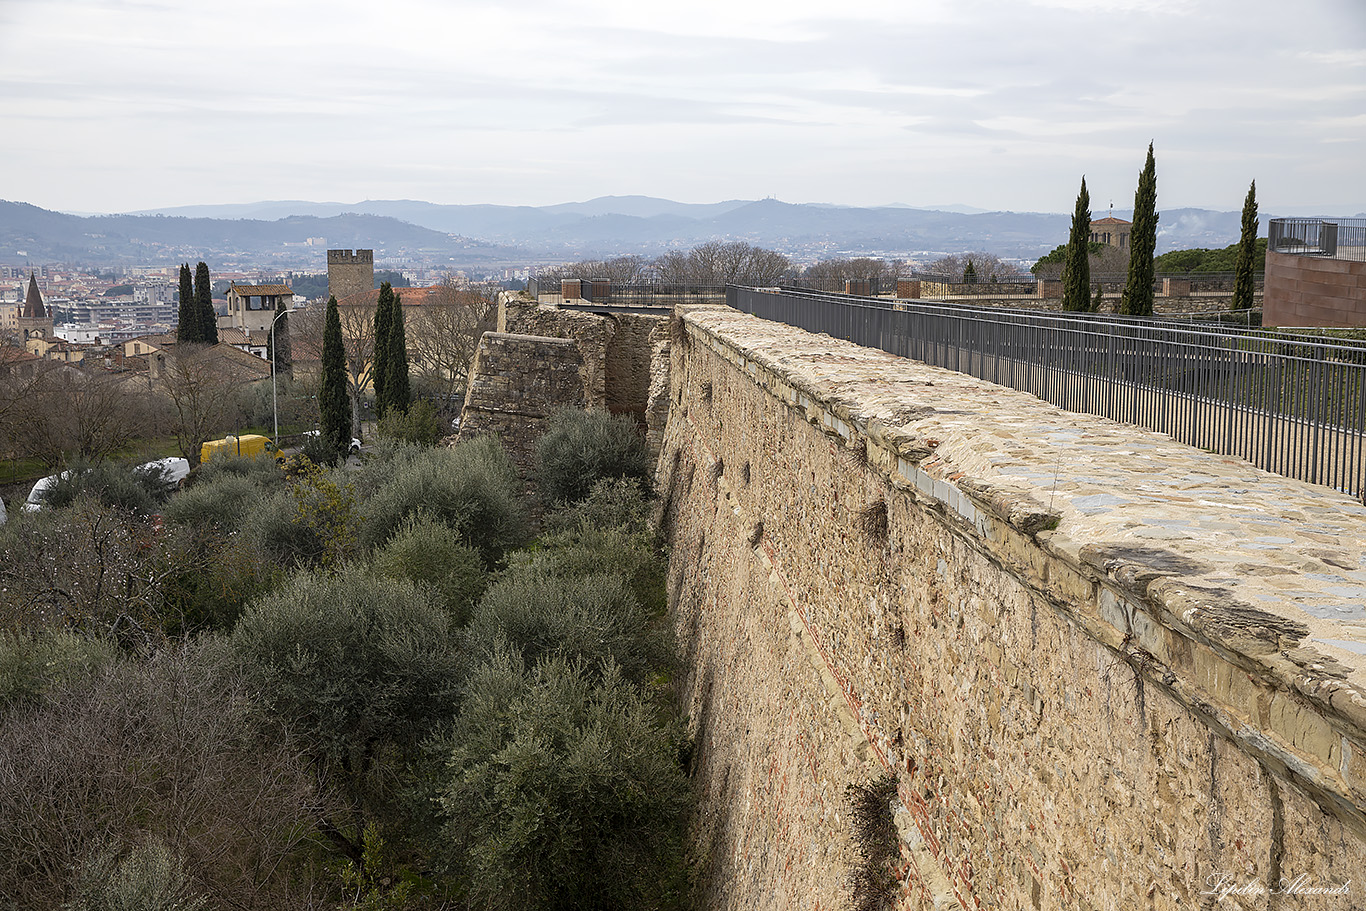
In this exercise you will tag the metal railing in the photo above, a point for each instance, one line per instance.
(655, 295)
(1335, 238)
(1288, 403)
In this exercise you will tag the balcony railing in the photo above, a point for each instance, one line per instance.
(1333, 238)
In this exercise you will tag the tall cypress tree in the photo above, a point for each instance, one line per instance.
(379, 370)
(1138, 290)
(334, 407)
(1076, 267)
(1247, 251)
(281, 352)
(396, 390)
(187, 329)
(203, 297)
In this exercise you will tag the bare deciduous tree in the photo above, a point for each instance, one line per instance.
(63, 413)
(169, 750)
(444, 333)
(716, 262)
(201, 385)
(987, 266)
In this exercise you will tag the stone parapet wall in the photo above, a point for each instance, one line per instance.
(1106, 670)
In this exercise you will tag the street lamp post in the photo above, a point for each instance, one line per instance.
(274, 359)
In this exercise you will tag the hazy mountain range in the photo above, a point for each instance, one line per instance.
(493, 236)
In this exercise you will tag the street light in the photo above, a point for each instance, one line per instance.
(274, 358)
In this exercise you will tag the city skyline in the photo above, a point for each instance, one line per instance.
(123, 105)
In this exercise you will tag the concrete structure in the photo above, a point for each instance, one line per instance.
(1104, 670)
(350, 273)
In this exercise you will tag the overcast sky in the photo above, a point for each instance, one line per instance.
(117, 105)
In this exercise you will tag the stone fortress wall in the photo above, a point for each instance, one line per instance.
(1106, 671)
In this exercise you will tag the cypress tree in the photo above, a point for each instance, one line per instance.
(379, 370)
(1098, 299)
(970, 274)
(1138, 290)
(333, 405)
(396, 390)
(187, 328)
(1076, 267)
(1247, 250)
(207, 319)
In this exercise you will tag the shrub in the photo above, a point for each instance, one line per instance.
(354, 662)
(32, 663)
(311, 523)
(165, 751)
(149, 877)
(562, 792)
(472, 487)
(579, 448)
(585, 550)
(593, 618)
(220, 502)
(89, 567)
(419, 424)
(116, 486)
(612, 503)
(430, 553)
(320, 451)
(264, 471)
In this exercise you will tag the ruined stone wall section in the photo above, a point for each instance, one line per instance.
(515, 384)
(1105, 669)
(625, 356)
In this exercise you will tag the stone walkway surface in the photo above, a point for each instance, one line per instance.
(1190, 526)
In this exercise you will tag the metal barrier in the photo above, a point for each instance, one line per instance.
(1288, 403)
(1337, 238)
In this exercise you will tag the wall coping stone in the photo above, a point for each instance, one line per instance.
(1154, 548)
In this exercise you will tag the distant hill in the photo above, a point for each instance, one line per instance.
(470, 236)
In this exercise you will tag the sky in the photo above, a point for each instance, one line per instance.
(122, 105)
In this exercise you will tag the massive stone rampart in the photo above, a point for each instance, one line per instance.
(1106, 670)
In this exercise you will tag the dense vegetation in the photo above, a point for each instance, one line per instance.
(358, 687)
(1203, 260)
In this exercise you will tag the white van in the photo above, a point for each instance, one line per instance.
(172, 470)
(37, 497)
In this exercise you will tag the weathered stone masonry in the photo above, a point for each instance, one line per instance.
(1105, 668)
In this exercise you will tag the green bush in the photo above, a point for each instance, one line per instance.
(220, 502)
(31, 663)
(562, 792)
(354, 662)
(419, 424)
(264, 470)
(593, 617)
(472, 487)
(116, 486)
(148, 877)
(612, 503)
(580, 448)
(430, 553)
(584, 551)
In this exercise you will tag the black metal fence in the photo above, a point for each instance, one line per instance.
(1292, 404)
(651, 295)
(1335, 238)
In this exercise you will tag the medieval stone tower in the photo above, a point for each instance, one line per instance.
(350, 273)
